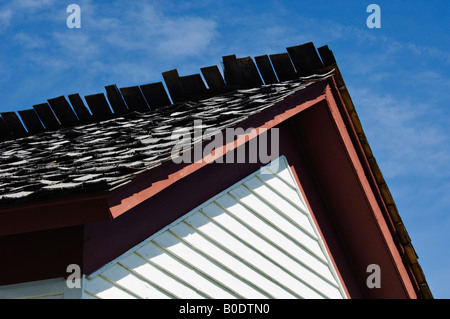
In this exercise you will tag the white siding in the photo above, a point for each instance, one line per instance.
(254, 240)
(42, 289)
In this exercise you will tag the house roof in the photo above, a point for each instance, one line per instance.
(59, 149)
(104, 155)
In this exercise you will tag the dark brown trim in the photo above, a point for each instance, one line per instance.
(350, 204)
(369, 182)
(51, 214)
(380, 190)
(39, 255)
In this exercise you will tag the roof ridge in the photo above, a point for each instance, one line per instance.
(299, 62)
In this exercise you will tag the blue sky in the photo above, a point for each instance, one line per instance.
(398, 75)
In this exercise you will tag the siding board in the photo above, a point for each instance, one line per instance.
(42, 289)
(255, 240)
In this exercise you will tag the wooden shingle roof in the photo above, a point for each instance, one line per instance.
(63, 146)
(103, 155)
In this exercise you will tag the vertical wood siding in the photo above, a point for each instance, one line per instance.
(254, 240)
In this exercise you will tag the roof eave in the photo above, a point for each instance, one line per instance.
(379, 184)
(54, 213)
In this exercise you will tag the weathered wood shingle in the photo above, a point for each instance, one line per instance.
(107, 153)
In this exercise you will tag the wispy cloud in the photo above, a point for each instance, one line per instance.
(29, 42)
(144, 27)
(32, 4)
(426, 51)
(6, 15)
(186, 36)
(117, 42)
(24, 9)
(406, 141)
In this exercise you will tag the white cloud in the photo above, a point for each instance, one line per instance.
(29, 42)
(186, 36)
(76, 46)
(117, 42)
(32, 4)
(401, 135)
(429, 51)
(25, 10)
(5, 18)
(146, 28)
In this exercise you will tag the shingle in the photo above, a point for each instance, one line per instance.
(61, 186)
(15, 195)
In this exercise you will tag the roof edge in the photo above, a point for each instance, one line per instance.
(237, 73)
(55, 213)
(400, 230)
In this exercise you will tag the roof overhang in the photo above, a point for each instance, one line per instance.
(52, 214)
